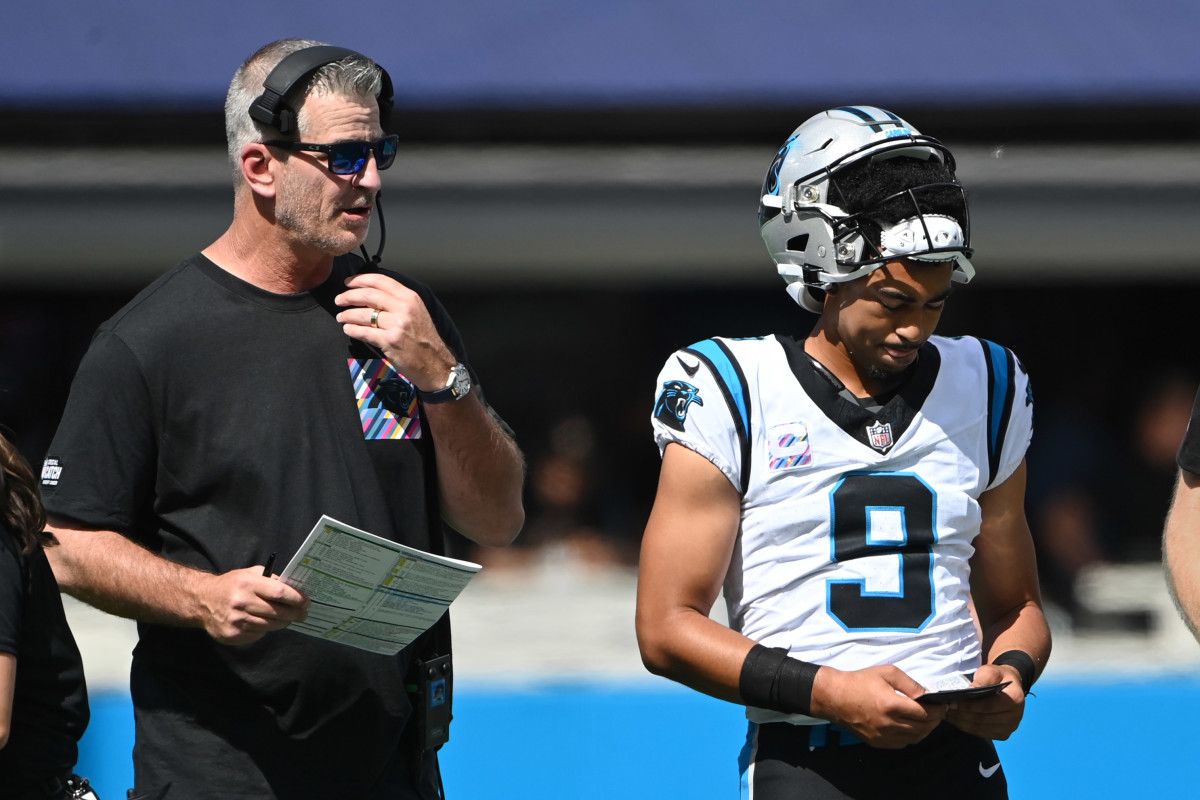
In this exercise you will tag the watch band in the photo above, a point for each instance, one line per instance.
(458, 385)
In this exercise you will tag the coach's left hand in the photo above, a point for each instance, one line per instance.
(994, 717)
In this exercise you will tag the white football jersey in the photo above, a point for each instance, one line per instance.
(857, 525)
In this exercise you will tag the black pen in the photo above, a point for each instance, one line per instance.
(270, 563)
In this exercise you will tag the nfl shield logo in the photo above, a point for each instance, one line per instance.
(880, 436)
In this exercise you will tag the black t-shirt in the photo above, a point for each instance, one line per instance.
(214, 423)
(1189, 450)
(50, 705)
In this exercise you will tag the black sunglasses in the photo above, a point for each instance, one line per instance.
(348, 158)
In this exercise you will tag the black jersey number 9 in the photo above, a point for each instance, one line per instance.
(910, 501)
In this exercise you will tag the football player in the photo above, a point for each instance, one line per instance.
(858, 494)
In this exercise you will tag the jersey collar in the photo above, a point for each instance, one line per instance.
(876, 426)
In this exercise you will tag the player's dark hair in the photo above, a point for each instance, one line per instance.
(20, 501)
(866, 185)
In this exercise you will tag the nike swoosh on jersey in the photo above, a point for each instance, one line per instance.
(690, 370)
(988, 771)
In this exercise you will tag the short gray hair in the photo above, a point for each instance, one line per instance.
(354, 76)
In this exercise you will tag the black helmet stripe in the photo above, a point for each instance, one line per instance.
(866, 117)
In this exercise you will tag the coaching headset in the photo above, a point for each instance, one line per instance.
(271, 107)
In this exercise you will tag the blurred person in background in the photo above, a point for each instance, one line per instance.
(271, 379)
(1140, 483)
(857, 494)
(576, 511)
(1100, 498)
(43, 698)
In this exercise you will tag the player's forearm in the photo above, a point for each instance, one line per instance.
(114, 574)
(1181, 550)
(1182, 560)
(690, 648)
(480, 472)
(1023, 628)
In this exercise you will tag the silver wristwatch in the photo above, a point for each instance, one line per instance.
(458, 385)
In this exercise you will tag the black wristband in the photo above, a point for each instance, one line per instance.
(774, 680)
(1023, 663)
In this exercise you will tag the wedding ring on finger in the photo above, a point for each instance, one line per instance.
(375, 317)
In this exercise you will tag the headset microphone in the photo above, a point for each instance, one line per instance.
(372, 263)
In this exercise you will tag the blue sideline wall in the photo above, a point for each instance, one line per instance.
(1079, 739)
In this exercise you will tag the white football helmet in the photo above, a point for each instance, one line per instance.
(815, 242)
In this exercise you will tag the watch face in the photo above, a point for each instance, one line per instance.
(462, 381)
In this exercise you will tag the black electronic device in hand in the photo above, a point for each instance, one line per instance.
(969, 693)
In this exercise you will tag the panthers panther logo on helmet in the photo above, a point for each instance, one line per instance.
(771, 182)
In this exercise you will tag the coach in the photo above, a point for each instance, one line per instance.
(270, 379)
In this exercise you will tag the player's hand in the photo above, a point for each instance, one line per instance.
(876, 704)
(994, 717)
(403, 329)
(242, 605)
